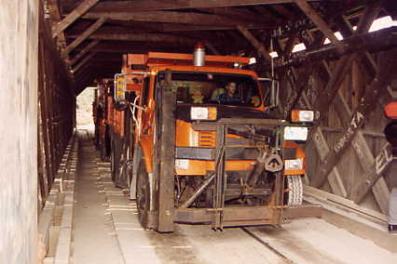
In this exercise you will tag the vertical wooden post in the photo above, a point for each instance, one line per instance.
(166, 126)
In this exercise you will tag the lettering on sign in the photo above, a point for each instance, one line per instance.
(355, 123)
(383, 159)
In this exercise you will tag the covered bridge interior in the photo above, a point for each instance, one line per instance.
(335, 57)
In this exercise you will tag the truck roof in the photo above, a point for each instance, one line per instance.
(152, 59)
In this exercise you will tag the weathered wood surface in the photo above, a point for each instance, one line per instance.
(376, 166)
(169, 17)
(166, 180)
(155, 5)
(73, 16)
(142, 38)
(89, 31)
(319, 22)
(257, 44)
(83, 52)
(57, 103)
(359, 145)
(377, 86)
(83, 62)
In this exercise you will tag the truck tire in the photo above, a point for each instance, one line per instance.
(116, 158)
(105, 146)
(112, 161)
(143, 194)
(294, 195)
(122, 177)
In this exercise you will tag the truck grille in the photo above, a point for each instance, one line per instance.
(207, 139)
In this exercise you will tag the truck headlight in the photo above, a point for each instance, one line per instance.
(302, 116)
(296, 133)
(293, 164)
(203, 113)
(182, 164)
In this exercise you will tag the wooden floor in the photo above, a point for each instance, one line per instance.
(106, 230)
(94, 240)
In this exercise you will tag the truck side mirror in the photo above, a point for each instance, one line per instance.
(120, 88)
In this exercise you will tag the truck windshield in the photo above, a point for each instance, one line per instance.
(215, 88)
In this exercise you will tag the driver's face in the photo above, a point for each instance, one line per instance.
(231, 88)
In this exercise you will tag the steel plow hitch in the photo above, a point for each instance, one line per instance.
(273, 163)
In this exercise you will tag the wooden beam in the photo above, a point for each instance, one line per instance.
(242, 15)
(318, 21)
(88, 32)
(366, 42)
(158, 27)
(73, 16)
(55, 15)
(301, 83)
(258, 45)
(343, 67)
(376, 167)
(320, 143)
(84, 71)
(377, 86)
(165, 134)
(373, 167)
(370, 13)
(155, 5)
(151, 37)
(284, 12)
(212, 48)
(169, 17)
(214, 27)
(338, 204)
(289, 45)
(83, 62)
(83, 52)
(338, 75)
(323, 149)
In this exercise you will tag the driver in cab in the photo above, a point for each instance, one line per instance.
(229, 96)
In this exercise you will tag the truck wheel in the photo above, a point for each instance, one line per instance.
(116, 159)
(122, 172)
(142, 194)
(294, 196)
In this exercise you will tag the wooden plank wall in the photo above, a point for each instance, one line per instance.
(57, 104)
(352, 169)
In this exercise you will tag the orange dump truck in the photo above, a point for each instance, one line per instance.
(201, 145)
